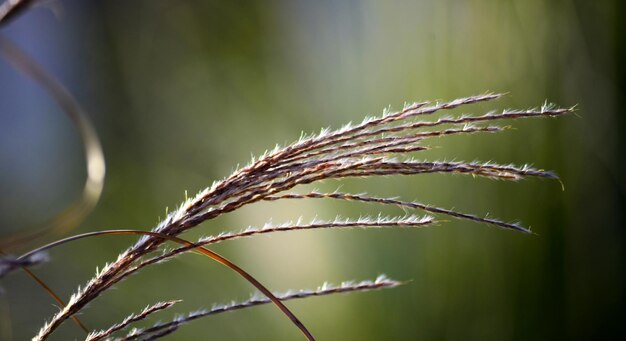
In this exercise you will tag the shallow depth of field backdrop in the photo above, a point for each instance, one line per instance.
(182, 91)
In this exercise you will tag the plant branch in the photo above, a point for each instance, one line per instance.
(326, 289)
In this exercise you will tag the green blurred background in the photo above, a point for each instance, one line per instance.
(183, 91)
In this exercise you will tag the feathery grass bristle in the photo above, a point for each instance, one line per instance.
(326, 288)
(382, 146)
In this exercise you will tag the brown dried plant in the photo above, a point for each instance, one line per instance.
(373, 148)
(376, 147)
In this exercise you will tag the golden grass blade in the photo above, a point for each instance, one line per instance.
(75, 213)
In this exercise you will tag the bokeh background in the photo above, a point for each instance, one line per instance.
(183, 91)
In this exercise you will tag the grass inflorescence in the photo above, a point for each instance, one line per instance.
(377, 147)
(383, 146)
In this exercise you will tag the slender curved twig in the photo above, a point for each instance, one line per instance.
(211, 254)
(94, 157)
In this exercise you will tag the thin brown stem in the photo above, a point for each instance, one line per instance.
(44, 332)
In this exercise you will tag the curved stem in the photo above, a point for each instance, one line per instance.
(51, 293)
(63, 222)
(211, 254)
(55, 296)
